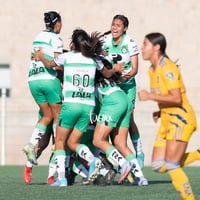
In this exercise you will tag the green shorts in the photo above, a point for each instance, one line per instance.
(130, 90)
(75, 115)
(46, 90)
(116, 110)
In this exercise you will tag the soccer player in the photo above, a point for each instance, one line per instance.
(122, 48)
(79, 100)
(113, 120)
(178, 120)
(44, 85)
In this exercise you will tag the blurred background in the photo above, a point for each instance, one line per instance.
(21, 20)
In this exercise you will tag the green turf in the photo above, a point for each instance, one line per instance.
(160, 188)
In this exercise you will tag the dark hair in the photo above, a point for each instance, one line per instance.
(158, 38)
(123, 18)
(89, 45)
(50, 19)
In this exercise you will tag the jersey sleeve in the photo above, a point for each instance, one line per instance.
(171, 76)
(133, 48)
(58, 45)
(100, 64)
(60, 59)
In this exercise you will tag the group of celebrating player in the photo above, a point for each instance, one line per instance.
(86, 98)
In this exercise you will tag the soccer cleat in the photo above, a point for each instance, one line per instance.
(27, 174)
(50, 180)
(125, 169)
(30, 153)
(140, 159)
(60, 183)
(108, 165)
(52, 170)
(85, 181)
(141, 181)
(130, 178)
(110, 176)
(95, 165)
(70, 176)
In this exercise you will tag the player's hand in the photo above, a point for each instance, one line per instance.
(156, 116)
(143, 95)
(37, 54)
(119, 67)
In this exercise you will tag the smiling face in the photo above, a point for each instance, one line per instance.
(117, 29)
(147, 49)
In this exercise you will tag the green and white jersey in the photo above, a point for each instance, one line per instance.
(122, 52)
(50, 43)
(79, 77)
(106, 90)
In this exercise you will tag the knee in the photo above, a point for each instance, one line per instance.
(97, 142)
(170, 165)
(159, 166)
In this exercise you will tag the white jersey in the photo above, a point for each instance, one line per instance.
(79, 77)
(122, 52)
(50, 43)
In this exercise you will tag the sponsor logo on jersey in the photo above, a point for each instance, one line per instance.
(36, 71)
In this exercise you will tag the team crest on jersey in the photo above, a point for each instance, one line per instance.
(170, 76)
(124, 49)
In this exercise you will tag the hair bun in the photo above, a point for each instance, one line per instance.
(47, 18)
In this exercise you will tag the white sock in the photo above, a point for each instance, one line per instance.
(84, 152)
(60, 166)
(114, 155)
(137, 170)
(52, 169)
(36, 136)
(79, 169)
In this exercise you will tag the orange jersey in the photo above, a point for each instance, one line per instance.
(165, 78)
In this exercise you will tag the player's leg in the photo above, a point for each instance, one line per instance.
(174, 152)
(60, 155)
(84, 152)
(38, 132)
(100, 141)
(54, 98)
(37, 89)
(136, 140)
(130, 90)
(119, 137)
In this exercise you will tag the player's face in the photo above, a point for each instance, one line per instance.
(117, 28)
(147, 49)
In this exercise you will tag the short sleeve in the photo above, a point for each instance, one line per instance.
(60, 59)
(58, 45)
(100, 64)
(171, 76)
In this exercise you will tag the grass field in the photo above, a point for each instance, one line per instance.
(13, 187)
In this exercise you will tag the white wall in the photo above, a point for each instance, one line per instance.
(21, 20)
